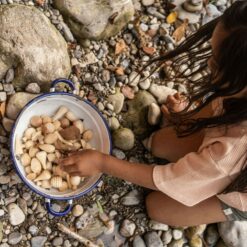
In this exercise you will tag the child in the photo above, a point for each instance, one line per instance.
(206, 180)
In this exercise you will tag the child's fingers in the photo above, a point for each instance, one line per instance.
(177, 96)
(70, 160)
(165, 111)
(70, 169)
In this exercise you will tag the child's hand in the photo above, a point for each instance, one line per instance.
(83, 163)
(174, 103)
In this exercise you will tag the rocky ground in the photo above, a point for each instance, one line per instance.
(33, 51)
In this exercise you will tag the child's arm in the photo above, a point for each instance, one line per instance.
(90, 163)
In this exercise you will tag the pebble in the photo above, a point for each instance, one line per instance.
(134, 197)
(147, 2)
(154, 114)
(145, 84)
(38, 241)
(10, 75)
(98, 87)
(167, 236)
(123, 138)
(212, 235)
(154, 225)
(32, 88)
(138, 242)
(77, 210)
(134, 78)
(16, 215)
(33, 230)
(177, 234)
(106, 76)
(117, 100)
(113, 123)
(152, 239)
(127, 228)
(2, 212)
(118, 154)
(3, 96)
(178, 243)
(14, 238)
(67, 33)
(4, 179)
(57, 241)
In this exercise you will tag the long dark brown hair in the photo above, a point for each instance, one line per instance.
(231, 77)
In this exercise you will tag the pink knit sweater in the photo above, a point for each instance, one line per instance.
(206, 173)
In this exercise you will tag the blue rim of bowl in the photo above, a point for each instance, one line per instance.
(12, 146)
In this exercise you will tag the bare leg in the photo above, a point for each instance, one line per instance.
(166, 210)
(166, 144)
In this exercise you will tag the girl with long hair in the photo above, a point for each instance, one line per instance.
(206, 143)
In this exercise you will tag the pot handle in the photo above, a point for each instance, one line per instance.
(64, 80)
(48, 205)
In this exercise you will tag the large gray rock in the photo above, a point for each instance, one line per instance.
(32, 45)
(136, 116)
(234, 233)
(17, 102)
(95, 19)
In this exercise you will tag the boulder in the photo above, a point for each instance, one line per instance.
(32, 46)
(95, 19)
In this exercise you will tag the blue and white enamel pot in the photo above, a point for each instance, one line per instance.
(47, 104)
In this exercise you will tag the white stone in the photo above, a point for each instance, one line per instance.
(233, 233)
(147, 2)
(154, 114)
(145, 84)
(157, 226)
(161, 92)
(177, 234)
(134, 78)
(16, 215)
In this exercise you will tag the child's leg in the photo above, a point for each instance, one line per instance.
(165, 144)
(164, 209)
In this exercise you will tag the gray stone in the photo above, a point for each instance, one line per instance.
(10, 75)
(127, 228)
(88, 59)
(101, 23)
(32, 88)
(106, 76)
(17, 102)
(134, 197)
(113, 123)
(67, 33)
(14, 238)
(136, 116)
(118, 154)
(152, 239)
(33, 230)
(117, 100)
(233, 233)
(138, 242)
(16, 215)
(212, 235)
(4, 179)
(123, 138)
(27, 36)
(167, 236)
(157, 226)
(38, 241)
(57, 241)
